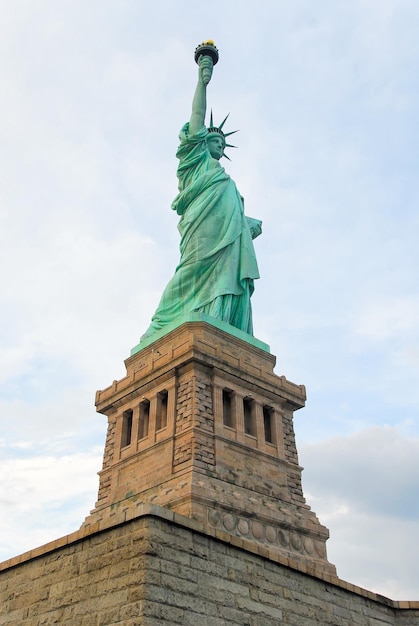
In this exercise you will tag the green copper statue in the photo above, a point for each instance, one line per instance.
(217, 264)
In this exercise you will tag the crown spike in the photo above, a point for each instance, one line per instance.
(211, 120)
(224, 121)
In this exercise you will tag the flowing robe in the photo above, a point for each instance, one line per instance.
(218, 263)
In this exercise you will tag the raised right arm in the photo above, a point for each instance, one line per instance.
(199, 102)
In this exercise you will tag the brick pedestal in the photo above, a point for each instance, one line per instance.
(202, 426)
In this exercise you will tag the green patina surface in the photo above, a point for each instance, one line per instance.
(201, 317)
(217, 264)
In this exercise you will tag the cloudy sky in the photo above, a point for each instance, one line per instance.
(325, 94)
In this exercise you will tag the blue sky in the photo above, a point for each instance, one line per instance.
(325, 96)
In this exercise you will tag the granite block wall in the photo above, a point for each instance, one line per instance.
(159, 568)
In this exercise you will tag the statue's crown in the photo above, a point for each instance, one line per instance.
(219, 129)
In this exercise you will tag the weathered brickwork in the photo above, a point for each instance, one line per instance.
(108, 457)
(201, 425)
(152, 571)
(289, 438)
(182, 454)
(204, 410)
(184, 409)
(194, 417)
(110, 443)
(295, 488)
(204, 452)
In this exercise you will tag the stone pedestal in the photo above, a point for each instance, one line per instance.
(202, 426)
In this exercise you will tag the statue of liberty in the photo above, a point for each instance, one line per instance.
(217, 259)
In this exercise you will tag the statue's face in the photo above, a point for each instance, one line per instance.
(216, 146)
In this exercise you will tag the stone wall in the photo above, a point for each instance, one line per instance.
(159, 568)
(202, 425)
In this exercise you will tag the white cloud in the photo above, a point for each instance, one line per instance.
(44, 497)
(365, 488)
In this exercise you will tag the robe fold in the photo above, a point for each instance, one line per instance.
(217, 260)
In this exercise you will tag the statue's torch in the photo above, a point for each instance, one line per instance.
(207, 48)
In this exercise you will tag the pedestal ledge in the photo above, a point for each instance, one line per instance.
(201, 317)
